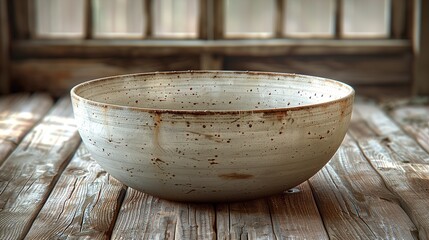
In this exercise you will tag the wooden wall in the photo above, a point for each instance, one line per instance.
(58, 75)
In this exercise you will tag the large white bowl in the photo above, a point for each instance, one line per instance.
(212, 135)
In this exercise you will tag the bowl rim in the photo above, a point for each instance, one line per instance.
(79, 98)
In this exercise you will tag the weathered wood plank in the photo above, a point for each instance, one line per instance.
(29, 174)
(244, 220)
(403, 166)
(143, 216)
(370, 121)
(58, 76)
(18, 114)
(84, 203)
(415, 121)
(294, 215)
(354, 202)
(367, 69)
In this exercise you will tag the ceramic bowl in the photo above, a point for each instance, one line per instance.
(212, 135)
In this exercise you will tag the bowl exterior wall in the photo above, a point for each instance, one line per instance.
(212, 157)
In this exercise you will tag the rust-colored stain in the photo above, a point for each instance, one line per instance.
(235, 176)
(157, 125)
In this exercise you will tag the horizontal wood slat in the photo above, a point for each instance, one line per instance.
(249, 47)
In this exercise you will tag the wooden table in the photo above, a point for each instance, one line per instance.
(375, 187)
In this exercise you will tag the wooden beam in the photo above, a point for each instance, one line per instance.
(398, 19)
(4, 48)
(88, 19)
(249, 47)
(21, 18)
(338, 19)
(280, 14)
(148, 10)
(219, 18)
(203, 21)
(421, 41)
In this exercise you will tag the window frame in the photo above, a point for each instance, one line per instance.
(211, 39)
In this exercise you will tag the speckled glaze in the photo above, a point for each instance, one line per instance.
(212, 135)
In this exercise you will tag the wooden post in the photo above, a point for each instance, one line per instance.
(203, 20)
(149, 20)
(219, 18)
(88, 19)
(398, 19)
(338, 19)
(421, 47)
(280, 14)
(21, 17)
(4, 48)
(213, 24)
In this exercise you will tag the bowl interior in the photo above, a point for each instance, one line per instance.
(213, 91)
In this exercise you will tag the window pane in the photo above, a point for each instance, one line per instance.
(175, 18)
(59, 18)
(249, 18)
(118, 18)
(366, 18)
(309, 18)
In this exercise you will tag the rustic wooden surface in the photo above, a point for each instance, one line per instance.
(18, 114)
(375, 187)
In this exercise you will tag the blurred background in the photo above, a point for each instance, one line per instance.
(374, 45)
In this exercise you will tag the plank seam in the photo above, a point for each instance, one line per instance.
(52, 184)
(120, 202)
(318, 209)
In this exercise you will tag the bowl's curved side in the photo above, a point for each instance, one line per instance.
(197, 157)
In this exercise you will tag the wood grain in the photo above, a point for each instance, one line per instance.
(244, 220)
(146, 217)
(30, 172)
(354, 202)
(358, 69)
(83, 204)
(294, 214)
(415, 121)
(18, 114)
(403, 166)
(103, 48)
(58, 76)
